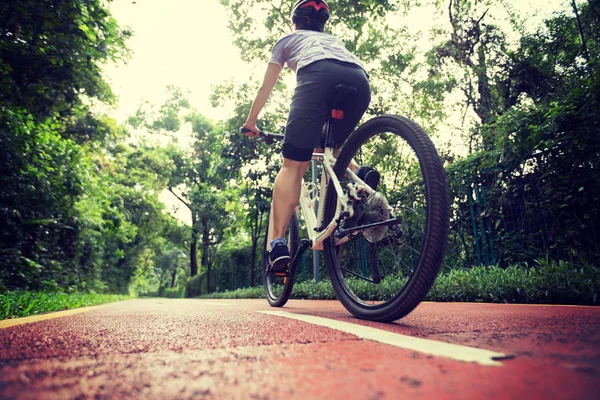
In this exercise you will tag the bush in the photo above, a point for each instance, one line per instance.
(311, 290)
(22, 304)
(173, 293)
(231, 266)
(546, 282)
(243, 293)
(196, 286)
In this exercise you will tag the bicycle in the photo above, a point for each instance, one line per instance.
(383, 246)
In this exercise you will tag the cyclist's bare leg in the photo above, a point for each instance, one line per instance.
(353, 165)
(286, 194)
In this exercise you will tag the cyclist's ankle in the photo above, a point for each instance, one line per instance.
(278, 242)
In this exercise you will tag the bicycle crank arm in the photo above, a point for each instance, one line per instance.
(390, 222)
(305, 244)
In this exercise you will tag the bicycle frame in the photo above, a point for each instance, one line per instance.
(315, 225)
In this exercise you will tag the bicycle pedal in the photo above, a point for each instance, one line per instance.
(285, 272)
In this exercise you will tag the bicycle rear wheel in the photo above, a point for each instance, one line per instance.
(383, 273)
(278, 286)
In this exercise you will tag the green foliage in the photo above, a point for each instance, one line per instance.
(51, 54)
(71, 218)
(230, 268)
(41, 175)
(534, 193)
(79, 209)
(370, 29)
(196, 176)
(173, 293)
(78, 213)
(241, 293)
(23, 304)
(527, 190)
(546, 282)
(195, 286)
(312, 290)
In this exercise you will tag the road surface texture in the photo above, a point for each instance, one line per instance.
(238, 349)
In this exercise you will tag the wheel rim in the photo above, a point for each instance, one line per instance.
(275, 286)
(396, 256)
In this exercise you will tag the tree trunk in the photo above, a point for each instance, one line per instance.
(173, 276)
(205, 247)
(254, 245)
(193, 248)
(581, 35)
(485, 107)
(253, 261)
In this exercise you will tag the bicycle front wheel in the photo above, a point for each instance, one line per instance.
(278, 286)
(383, 273)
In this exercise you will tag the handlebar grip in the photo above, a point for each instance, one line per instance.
(269, 138)
(246, 130)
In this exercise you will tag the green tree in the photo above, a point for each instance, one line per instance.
(52, 52)
(198, 177)
(535, 187)
(50, 57)
(475, 59)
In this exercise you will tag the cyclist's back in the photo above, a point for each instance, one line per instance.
(303, 47)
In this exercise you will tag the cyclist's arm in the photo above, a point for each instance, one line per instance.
(269, 81)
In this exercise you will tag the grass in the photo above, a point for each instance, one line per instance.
(546, 282)
(23, 304)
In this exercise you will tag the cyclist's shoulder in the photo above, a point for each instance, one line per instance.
(286, 38)
(301, 35)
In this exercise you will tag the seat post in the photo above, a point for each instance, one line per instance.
(329, 136)
(340, 100)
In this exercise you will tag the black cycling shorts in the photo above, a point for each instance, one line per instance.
(308, 111)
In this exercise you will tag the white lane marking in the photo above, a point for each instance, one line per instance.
(427, 346)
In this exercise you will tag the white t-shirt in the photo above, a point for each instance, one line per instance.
(303, 47)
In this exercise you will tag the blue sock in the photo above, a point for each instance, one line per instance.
(278, 242)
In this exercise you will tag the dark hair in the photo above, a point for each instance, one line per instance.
(310, 14)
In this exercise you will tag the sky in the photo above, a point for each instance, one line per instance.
(186, 43)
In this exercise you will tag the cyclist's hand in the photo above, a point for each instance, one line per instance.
(253, 130)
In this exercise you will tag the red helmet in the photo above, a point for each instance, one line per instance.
(310, 14)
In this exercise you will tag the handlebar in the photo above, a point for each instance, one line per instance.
(269, 138)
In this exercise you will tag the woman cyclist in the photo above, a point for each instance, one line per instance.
(321, 62)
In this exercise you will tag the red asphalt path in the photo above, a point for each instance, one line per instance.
(214, 349)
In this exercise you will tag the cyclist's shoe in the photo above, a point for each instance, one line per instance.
(369, 176)
(279, 256)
